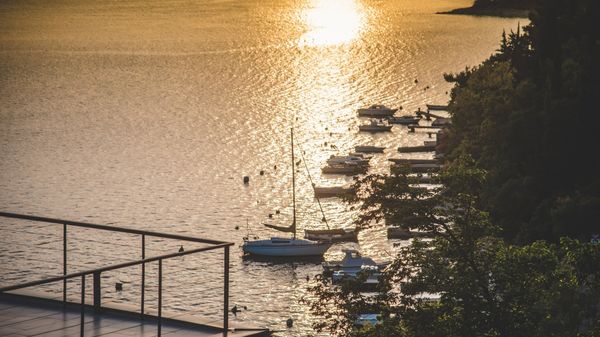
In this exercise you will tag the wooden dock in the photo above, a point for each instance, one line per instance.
(29, 315)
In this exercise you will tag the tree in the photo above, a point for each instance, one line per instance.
(484, 286)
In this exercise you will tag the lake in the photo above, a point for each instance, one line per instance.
(147, 114)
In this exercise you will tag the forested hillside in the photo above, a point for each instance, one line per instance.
(528, 116)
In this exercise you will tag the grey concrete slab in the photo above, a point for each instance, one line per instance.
(28, 316)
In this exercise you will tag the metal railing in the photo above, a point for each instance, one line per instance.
(97, 295)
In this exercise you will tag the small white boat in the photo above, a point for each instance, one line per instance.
(437, 107)
(346, 168)
(413, 161)
(375, 126)
(360, 155)
(369, 149)
(342, 160)
(376, 110)
(405, 120)
(352, 260)
(332, 235)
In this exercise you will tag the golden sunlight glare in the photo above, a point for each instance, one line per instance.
(331, 22)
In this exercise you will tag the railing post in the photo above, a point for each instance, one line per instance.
(143, 274)
(65, 262)
(97, 292)
(159, 296)
(82, 304)
(226, 291)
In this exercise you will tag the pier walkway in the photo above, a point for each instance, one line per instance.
(25, 315)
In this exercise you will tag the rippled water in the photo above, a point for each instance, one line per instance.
(147, 114)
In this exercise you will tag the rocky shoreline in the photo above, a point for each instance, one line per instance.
(498, 12)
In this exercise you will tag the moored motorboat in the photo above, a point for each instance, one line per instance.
(369, 149)
(376, 110)
(437, 107)
(375, 126)
(333, 235)
(413, 161)
(360, 155)
(350, 169)
(405, 120)
(340, 160)
(352, 260)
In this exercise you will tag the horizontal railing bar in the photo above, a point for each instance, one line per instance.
(108, 228)
(113, 267)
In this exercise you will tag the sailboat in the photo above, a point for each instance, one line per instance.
(286, 247)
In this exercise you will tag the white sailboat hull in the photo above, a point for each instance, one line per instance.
(285, 247)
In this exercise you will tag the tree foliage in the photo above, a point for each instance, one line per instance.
(466, 281)
(527, 115)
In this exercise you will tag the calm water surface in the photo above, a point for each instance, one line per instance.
(147, 114)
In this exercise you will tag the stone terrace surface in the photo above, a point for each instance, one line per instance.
(26, 316)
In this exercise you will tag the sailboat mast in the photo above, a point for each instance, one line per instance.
(293, 185)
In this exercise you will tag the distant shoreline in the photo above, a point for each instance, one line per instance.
(498, 12)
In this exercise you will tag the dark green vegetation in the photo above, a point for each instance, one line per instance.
(515, 4)
(508, 8)
(518, 204)
(529, 116)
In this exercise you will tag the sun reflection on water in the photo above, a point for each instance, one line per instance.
(332, 22)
